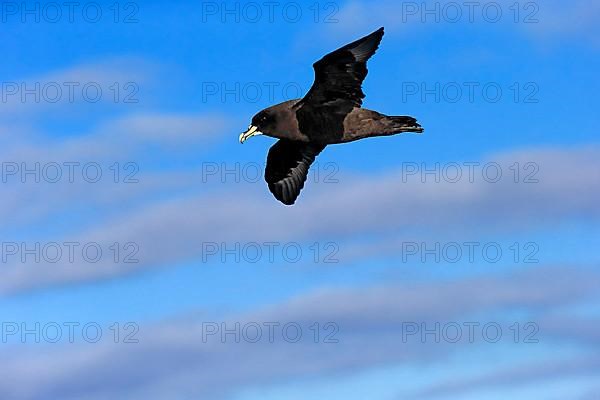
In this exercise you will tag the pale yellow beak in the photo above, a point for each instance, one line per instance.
(252, 131)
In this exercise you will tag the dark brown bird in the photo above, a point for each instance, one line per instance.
(329, 113)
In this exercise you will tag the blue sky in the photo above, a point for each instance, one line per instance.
(181, 198)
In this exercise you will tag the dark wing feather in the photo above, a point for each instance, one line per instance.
(287, 168)
(339, 75)
(337, 87)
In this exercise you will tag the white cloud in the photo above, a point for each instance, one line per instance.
(546, 21)
(575, 20)
(123, 140)
(170, 129)
(172, 230)
(172, 360)
(67, 90)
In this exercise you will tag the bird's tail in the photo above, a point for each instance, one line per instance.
(366, 123)
(399, 124)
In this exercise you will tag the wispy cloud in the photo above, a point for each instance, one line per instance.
(573, 21)
(173, 358)
(114, 81)
(548, 22)
(582, 366)
(170, 129)
(171, 231)
(117, 150)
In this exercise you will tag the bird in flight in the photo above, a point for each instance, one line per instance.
(329, 113)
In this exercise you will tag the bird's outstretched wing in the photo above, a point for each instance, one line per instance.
(287, 168)
(337, 87)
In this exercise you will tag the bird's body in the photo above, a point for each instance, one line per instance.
(359, 123)
(330, 113)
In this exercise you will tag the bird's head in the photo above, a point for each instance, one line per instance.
(263, 123)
